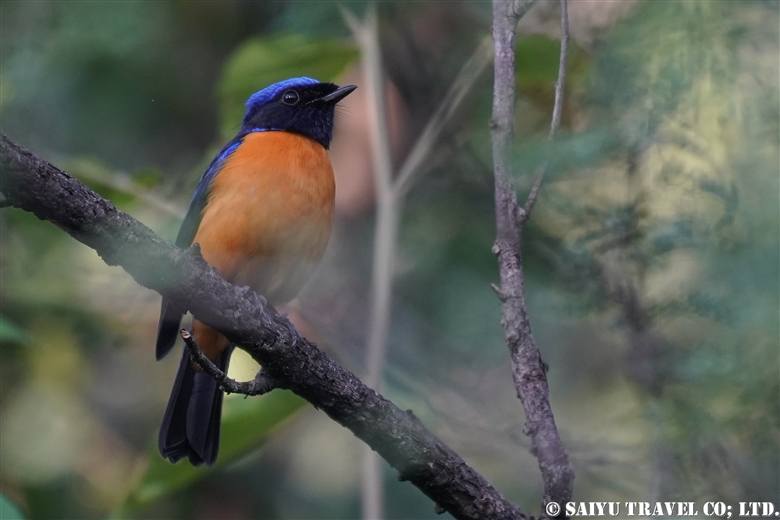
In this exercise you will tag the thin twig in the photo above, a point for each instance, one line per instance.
(366, 33)
(555, 122)
(560, 84)
(533, 195)
(260, 385)
(386, 228)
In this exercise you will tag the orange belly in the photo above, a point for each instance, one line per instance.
(267, 220)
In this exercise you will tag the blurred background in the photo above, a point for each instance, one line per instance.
(652, 257)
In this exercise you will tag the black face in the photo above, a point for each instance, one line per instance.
(301, 105)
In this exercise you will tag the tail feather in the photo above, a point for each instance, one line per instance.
(190, 427)
(167, 329)
(172, 440)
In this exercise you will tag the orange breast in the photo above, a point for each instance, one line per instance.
(269, 214)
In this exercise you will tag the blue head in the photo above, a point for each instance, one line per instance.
(301, 105)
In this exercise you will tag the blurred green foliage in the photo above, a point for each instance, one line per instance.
(10, 333)
(244, 425)
(651, 259)
(8, 511)
(537, 62)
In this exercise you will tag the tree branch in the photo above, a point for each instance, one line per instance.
(560, 85)
(366, 34)
(260, 385)
(34, 185)
(528, 369)
(555, 122)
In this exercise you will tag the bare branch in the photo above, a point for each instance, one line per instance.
(528, 369)
(555, 122)
(366, 33)
(560, 85)
(533, 195)
(386, 226)
(32, 184)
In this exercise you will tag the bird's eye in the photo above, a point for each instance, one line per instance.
(290, 98)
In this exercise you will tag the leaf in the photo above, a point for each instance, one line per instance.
(245, 423)
(8, 511)
(263, 61)
(10, 333)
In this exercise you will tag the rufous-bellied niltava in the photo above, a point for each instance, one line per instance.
(262, 214)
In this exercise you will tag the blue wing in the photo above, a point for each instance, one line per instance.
(170, 316)
(189, 227)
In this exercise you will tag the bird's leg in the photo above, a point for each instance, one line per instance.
(261, 384)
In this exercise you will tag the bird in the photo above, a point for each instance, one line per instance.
(262, 215)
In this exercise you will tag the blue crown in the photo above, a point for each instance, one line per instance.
(268, 93)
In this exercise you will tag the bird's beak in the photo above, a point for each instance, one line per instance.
(338, 94)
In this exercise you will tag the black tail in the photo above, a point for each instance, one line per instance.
(190, 427)
(168, 328)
